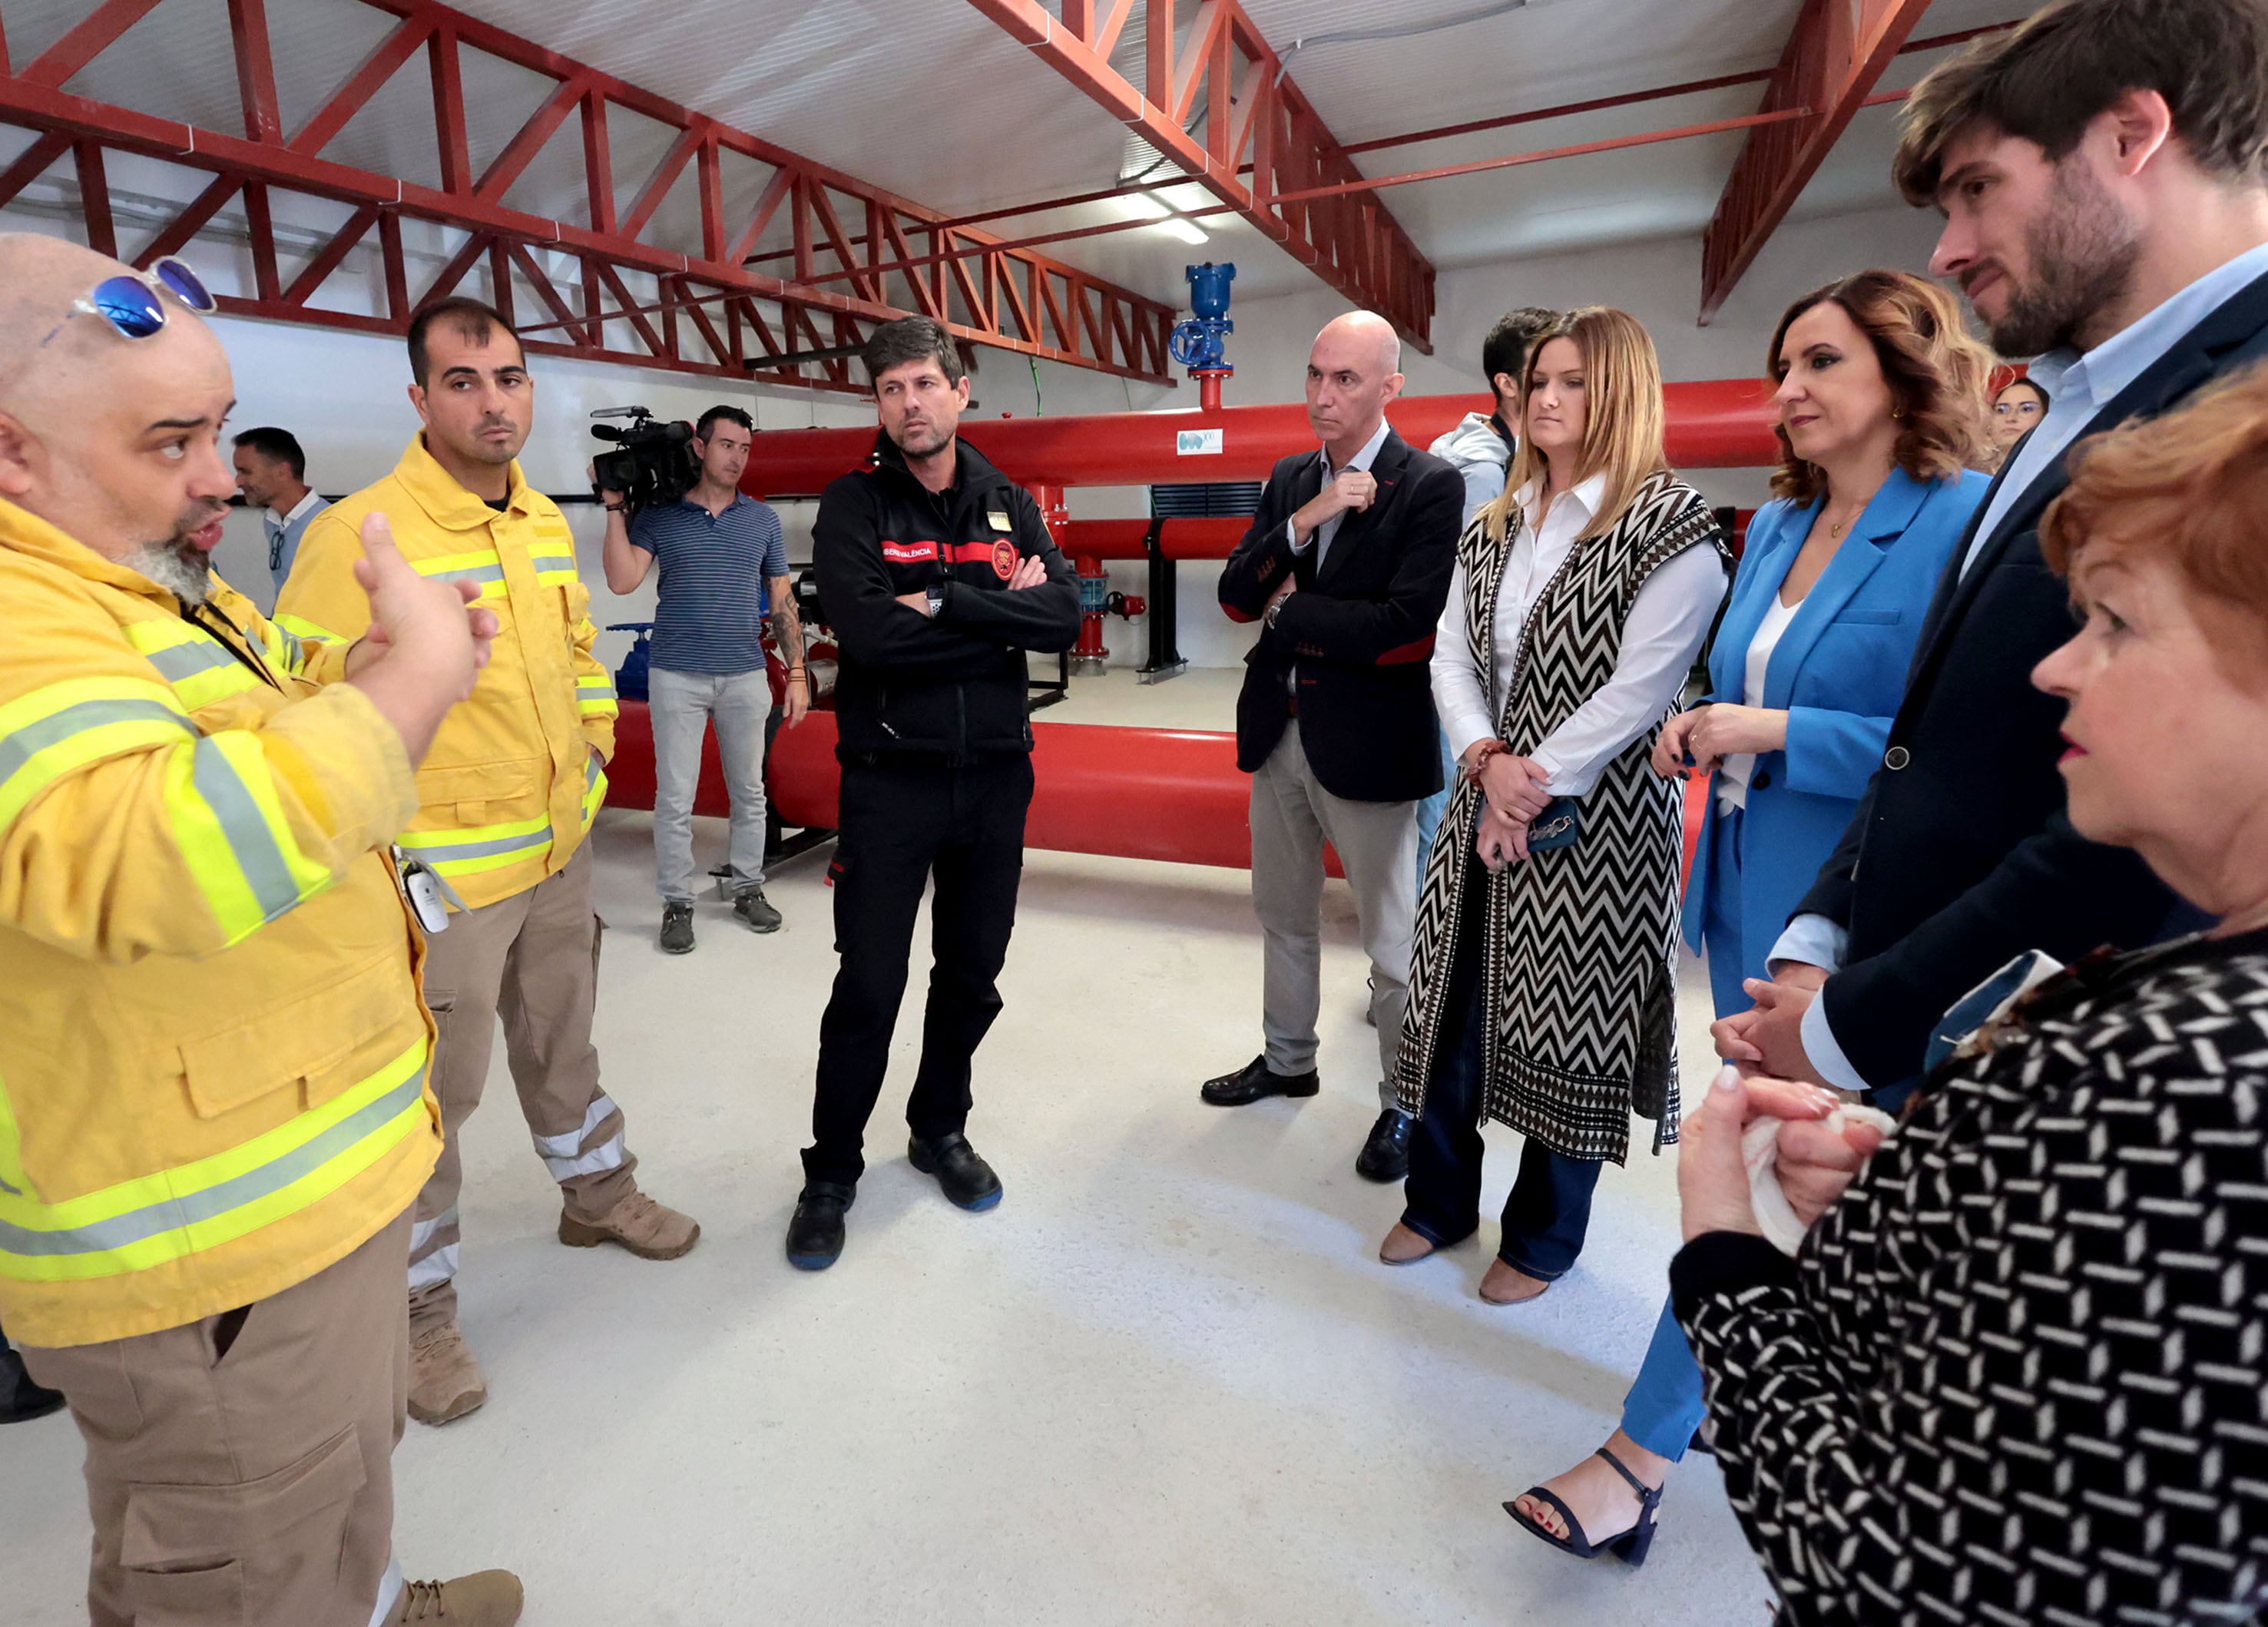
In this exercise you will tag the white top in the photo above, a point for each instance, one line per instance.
(306, 506)
(1733, 778)
(1668, 623)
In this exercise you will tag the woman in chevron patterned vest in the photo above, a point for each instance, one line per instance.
(1541, 986)
(2018, 1369)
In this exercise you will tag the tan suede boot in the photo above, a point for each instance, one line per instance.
(649, 1230)
(444, 1380)
(485, 1599)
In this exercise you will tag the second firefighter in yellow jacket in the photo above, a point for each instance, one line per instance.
(506, 797)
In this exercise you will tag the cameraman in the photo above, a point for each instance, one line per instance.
(937, 575)
(719, 552)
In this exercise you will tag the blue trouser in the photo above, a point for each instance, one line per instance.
(1664, 1405)
(1548, 1211)
(1430, 811)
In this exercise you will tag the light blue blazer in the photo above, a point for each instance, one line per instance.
(1837, 672)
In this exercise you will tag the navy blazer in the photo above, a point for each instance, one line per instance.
(1960, 858)
(1837, 672)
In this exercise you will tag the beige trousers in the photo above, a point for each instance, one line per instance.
(1292, 816)
(533, 960)
(240, 1468)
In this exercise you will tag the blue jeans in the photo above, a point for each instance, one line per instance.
(1664, 1406)
(1430, 811)
(1548, 1211)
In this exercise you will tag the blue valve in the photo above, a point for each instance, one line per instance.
(1197, 343)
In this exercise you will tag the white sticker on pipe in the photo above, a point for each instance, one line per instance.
(1188, 443)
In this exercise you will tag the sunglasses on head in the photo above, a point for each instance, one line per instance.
(130, 302)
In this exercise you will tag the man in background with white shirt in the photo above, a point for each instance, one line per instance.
(2104, 172)
(272, 475)
(1346, 567)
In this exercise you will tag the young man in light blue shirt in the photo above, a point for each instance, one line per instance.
(2116, 225)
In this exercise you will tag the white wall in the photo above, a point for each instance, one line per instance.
(1659, 282)
(342, 394)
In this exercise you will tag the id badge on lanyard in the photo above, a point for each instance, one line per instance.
(429, 895)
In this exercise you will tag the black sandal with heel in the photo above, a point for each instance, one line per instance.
(1631, 1547)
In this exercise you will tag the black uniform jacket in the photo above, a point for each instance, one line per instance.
(1960, 858)
(1360, 630)
(953, 686)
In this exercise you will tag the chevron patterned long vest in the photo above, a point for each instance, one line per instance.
(1581, 943)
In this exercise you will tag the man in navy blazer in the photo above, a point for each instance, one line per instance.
(1346, 567)
(2104, 171)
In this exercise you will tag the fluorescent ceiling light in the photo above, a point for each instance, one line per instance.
(1146, 206)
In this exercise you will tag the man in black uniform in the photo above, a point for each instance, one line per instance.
(936, 574)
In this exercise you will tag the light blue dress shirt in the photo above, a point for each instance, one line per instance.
(1321, 541)
(2078, 387)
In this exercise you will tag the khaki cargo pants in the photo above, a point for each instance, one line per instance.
(240, 1468)
(533, 960)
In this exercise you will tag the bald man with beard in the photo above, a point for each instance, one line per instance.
(1346, 568)
(213, 1110)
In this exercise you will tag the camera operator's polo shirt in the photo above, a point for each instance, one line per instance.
(709, 618)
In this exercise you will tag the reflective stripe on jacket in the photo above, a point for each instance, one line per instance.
(212, 1050)
(509, 786)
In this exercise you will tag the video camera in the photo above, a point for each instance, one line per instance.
(654, 464)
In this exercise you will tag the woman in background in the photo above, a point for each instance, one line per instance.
(1880, 404)
(2016, 412)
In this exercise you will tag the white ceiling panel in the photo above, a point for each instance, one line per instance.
(928, 99)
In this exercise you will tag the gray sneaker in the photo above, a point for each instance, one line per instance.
(752, 909)
(677, 929)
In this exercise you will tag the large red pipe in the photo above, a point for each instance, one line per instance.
(1196, 538)
(1175, 795)
(1720, 423)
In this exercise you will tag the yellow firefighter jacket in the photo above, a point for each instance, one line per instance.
(212, 1049)
(511, 785)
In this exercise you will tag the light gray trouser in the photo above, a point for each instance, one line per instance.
(682, 705)
(1292, 816)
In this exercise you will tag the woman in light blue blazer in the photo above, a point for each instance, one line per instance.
(1882, 411)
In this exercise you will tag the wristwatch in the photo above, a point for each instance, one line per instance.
(935, 599)
(1274, 606)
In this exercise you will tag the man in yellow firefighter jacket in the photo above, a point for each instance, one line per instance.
(505, 798)
(213, 1115)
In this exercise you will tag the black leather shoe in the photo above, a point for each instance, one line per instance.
(1252, 1081)
(22, 1400)
(967, 1178)
(815, 1236)
(1386, 1155)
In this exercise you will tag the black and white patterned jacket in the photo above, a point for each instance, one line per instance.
(2020, 1372)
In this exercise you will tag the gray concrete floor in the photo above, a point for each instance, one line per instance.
(1165, 1382)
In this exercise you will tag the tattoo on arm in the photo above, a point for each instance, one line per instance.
(786, 628)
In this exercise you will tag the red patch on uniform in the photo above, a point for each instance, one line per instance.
(1004, 559)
